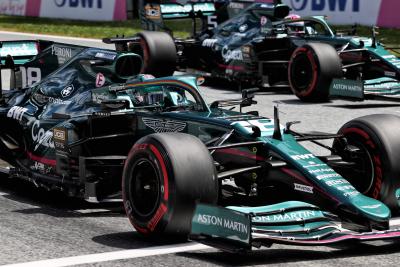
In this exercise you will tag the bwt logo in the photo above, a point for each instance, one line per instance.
(319, 5)
(79, 3)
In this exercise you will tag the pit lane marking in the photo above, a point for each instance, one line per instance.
(112, 256)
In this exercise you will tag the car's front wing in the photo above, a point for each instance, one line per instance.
(291, 223)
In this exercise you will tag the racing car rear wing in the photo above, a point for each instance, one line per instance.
(12, 54)
(153, 13)
(20, 51)
(22, 62)
(173, 10)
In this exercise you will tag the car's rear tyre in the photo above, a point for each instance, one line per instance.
(312, 68)
(158, 51)
(165, 175)
(377, 170)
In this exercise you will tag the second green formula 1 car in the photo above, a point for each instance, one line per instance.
(266, 46)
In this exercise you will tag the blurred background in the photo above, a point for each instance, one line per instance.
(382, 13)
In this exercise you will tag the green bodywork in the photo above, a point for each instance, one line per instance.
(387, 85)
(347, 88)
(327, 181)
(321, 180)
(226, 223)
(292, 222)
(292, 218)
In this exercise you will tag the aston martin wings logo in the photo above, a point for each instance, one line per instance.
(164, 126)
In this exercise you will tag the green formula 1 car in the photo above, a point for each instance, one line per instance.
(263, 45)
(95, 129)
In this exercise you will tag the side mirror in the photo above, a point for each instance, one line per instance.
(281, 11)
(124, 66)
(249, 93)
(128, 65)
(247, 98)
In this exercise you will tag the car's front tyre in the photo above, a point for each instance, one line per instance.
(312, 68)
(165, 175)
(376, 170)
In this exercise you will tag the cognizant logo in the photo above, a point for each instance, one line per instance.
(320, 5)
(79, 3)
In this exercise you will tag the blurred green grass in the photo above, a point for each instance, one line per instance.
(88, 29)
(181, 28)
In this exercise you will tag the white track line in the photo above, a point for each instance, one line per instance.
(3, 194)
(39, 36)
(111, 256)
(395, 221)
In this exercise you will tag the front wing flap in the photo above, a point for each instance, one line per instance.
(294, 223)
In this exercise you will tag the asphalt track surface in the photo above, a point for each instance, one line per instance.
(36, 225)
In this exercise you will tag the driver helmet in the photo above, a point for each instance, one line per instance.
(296, 27)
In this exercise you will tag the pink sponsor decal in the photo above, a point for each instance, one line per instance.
(389, 14)
(120, 10)
(33, 8)
(100, 80)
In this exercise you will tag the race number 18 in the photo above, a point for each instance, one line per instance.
(30, 76)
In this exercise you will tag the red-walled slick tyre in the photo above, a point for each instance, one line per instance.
(312, 68)
(165, 175)
(377, 169)
(158, 52)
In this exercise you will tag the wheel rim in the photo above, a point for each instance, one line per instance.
(362, 176)
(145, 188)
(302, 73)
